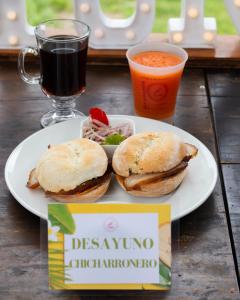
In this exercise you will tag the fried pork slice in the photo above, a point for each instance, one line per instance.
(32, 180)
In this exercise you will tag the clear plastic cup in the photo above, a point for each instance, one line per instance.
(155, 88)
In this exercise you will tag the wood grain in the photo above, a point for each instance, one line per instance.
(203, 262)
(231, 174)
(224, 95)
(224, 83)
(227, 121)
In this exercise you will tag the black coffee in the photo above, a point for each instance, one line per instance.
(63, 66)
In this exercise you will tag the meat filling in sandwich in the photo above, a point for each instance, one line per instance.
(152, 164)
(75, 171)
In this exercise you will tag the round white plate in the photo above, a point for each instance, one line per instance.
(194, 190)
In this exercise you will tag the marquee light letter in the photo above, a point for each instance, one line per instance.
(192, 29)
(111, 33)
(15, 30)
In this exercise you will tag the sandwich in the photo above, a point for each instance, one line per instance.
(76, 171)
(152, 164)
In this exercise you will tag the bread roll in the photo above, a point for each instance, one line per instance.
(152, 164)
(63, 167)
(74, 171)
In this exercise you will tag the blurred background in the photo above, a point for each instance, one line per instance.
(41, 10)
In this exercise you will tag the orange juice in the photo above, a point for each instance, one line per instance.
(155, 78)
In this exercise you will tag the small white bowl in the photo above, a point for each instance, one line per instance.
(114, 121)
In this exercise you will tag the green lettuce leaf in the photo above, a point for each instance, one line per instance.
(114, 139)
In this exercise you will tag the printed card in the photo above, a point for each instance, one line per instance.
(109, 246)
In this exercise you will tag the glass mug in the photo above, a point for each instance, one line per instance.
(155, 88)
(62, 48)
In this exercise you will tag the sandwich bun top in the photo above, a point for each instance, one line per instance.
(149, 152)
(63, 167)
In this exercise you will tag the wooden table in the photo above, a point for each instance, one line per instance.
(207, 254)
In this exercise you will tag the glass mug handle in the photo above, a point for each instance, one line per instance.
(31, 79)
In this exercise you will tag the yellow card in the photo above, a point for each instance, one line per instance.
(109, 246)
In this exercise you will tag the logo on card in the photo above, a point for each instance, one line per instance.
(110, 224)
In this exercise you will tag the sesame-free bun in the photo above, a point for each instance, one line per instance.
(149, 152)
(152, 164)
(65, 166)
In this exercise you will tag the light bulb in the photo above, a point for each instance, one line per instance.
(177, 37)
(237, 3)
(11, 15)
(13, 40)
(99, 33)
(208, 36)
(145, 8)
(85, 8)
(130, 35)
(193, 12)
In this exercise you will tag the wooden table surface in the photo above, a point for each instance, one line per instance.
(206, 255)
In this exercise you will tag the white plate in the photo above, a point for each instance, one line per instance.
(194, 190)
